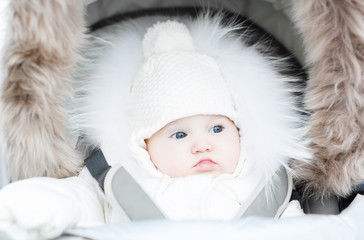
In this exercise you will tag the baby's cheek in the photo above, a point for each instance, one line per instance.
(235, 156)
(166, 162)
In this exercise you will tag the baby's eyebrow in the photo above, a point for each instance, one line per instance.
(219, 120)
(173, 128)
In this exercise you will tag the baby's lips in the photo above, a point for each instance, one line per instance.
(205, 165)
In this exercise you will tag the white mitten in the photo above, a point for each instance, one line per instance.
(39, 208)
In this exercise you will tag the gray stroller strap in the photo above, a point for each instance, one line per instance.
(97, 166)
(132, 198)
(271, 202)
(127, 192)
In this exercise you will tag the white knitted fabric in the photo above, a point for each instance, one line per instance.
(175, 82)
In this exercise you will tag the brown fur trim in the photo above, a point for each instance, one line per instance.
(334, 40)
(39, 59)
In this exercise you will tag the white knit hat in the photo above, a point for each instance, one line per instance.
(175, 82)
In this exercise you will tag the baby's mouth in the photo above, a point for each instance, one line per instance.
(205, 165)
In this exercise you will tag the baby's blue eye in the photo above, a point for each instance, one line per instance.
(179, 135)
(216, 129)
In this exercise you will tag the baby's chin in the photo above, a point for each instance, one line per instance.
(213, 174)
(216, 174)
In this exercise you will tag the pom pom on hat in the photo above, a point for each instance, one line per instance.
(169, 36)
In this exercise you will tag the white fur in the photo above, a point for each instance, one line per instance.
(272, 131)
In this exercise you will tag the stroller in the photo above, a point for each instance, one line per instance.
(269, 23)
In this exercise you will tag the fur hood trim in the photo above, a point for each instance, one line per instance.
(40, 54)
(272, 127)
(333, 34)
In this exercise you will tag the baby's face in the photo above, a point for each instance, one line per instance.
(196, 145)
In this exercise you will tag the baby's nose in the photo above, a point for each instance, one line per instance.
(202, 146)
